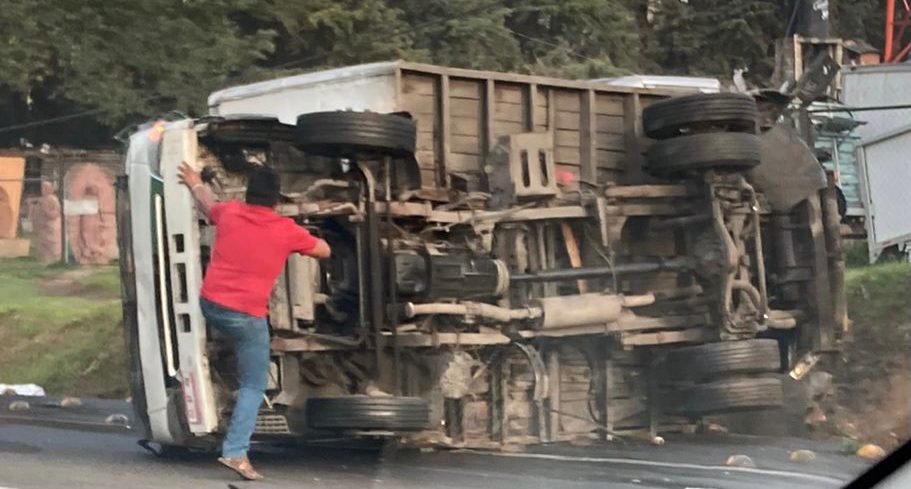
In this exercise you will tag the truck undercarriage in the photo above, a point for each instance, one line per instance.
(517, 303)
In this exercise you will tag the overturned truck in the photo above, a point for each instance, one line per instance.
(515, 259)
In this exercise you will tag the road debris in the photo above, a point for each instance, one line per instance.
(740, 461)
(801, 456)
(871, 452)
(19, 406)
(70, 402)
(715, 428)
(658, 441)
(117, 419)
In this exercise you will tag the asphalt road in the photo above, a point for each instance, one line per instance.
(34, 457)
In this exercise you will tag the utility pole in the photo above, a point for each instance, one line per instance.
(898, 34)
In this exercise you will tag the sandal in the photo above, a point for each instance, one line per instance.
(242, 466)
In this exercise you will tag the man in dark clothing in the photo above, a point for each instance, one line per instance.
(252, 243)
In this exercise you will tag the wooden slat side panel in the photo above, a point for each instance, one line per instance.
(610, 141)
(568, 100)
(509, 112)
(463, 107)
(465, 126)
(465, 144)
(508, 93)
(417, 83)
(610, 159)
(609, 104)
(465, 89)
(612, 124)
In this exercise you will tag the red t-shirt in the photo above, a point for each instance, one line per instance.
(251, 245)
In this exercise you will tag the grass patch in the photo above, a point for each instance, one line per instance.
(878, 297)
(60, 328)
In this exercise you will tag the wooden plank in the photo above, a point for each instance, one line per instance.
(465, 126)
(424, 142)
(444, 118)
(305, 344)
(422, 68)
(465, 144)
(531, 108)
(567, 156)
(568, 100)
(508, 93)
(610, 141)
(465, 162)
(566, 138)
(426, 159)
(428, 178)
(646, 210)
(510, 112)
(463, 107)
(424, 122)
(490, 102)
(572, 250)
(610, 105)
(587, 138)
(694, 335)
(540, 119)
(462, 88)
(419, 104)
(647, 191)
(551, 110)
(568, 120)
(503, 128)
(414, 83)
(632, 127)
(611, 160)
(612, 124)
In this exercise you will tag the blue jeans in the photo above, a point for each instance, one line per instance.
(250, 336)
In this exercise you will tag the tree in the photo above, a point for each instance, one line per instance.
(580, 38)
(333, 33)
(463, 33)
(713, 37)
(120, 58)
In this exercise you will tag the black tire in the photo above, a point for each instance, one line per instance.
(355, 134)
(250, 131)
(724, 151)
(727, 111)
(732, 395)
(368, 413)
(713, 360)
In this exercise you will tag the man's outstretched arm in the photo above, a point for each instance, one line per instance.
(203, 196)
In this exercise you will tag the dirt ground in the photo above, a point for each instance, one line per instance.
(869, 398)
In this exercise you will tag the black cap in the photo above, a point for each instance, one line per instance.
(263, 187)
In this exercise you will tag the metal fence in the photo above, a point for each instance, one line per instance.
(59, 206)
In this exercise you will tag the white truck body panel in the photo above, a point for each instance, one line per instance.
(369, 87)
(878, 85)
(139, 169)
(886, 178)
(682, 83)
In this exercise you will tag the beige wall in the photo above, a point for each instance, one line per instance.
(12, 170)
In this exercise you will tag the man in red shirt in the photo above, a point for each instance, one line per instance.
(252, 243)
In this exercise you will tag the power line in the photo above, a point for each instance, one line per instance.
(553, 45)
(291, 64)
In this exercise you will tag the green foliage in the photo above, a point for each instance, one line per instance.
(714, 37)
(462, 33)
(128, 60)
(60, 328)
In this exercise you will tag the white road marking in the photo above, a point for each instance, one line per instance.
(630, 461)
